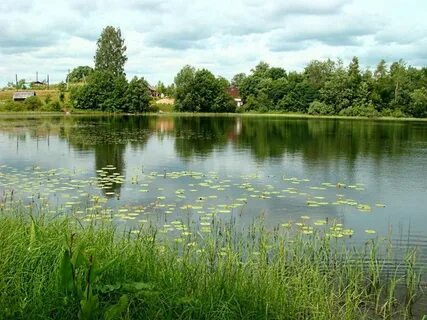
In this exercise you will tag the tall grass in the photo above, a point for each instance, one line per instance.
(59, 268)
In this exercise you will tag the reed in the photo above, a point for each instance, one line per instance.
(61, 268)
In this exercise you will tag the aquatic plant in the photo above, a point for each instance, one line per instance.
(61, 267)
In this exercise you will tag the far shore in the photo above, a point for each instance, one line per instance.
(4, 114)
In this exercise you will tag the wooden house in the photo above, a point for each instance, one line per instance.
(153, 92)
(22, 95)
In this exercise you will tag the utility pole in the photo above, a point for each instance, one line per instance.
(16, 80)
(47, 81)
(37, 76)
(68, 79)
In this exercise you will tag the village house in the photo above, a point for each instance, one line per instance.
(235, 94)
(153, 92)
(22, 95)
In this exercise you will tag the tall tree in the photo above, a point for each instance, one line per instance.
(238, 79)
(110, 53)
(137, 96)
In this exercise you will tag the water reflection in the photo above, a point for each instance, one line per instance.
(320, 143)
(387, 158)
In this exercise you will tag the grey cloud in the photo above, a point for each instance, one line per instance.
(341, 31)
(302, 7)
(238, 19)
(185, 38)
(15, 6)
(149, 5)
(413, 54)
(405, 35)
(282, 45)
(11, 43)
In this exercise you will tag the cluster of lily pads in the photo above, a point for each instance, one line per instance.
(175, 201)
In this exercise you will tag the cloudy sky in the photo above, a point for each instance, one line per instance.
(225, 36)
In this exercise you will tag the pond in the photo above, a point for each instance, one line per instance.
(368, 176)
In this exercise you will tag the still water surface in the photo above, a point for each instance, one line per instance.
(368, 175)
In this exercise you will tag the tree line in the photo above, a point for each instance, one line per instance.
(330, 88)
(321, 88)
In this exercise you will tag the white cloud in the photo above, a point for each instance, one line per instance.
(225, 36)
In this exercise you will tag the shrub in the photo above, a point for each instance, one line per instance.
(251, 104)
(137, 96)
(418, 105)
(320, 108)
(33, 103)
(166, 107)
(153, 107)
(11, 105)
(360, 111)
(224, 103)
(396, 113)
(52, 106)
(48, 99)
(260, 103)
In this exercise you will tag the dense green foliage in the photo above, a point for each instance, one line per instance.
(79, 74)
(106, 88)
(110, 53)
(32, 104)
(330, 88)
(137, 96)
(62, 269)
(103, 91)
(106, 92)
(201, 91)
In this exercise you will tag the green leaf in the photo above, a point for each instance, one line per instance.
(79, 259)
(89, 305)
(66, 273)
(137, 286)
(33, 234)
(115, 311)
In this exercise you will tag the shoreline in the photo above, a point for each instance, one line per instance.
(206, 114)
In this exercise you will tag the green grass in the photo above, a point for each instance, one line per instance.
(165, 107)
(60, 268)
(42, 94)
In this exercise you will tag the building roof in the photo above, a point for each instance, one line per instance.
(234, 92)
(22, 95)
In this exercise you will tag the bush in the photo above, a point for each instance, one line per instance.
(165, 107)
(47, 99)
(103, 91)
(224, 103)
(418, 105)
(11, 105)
(396, 113)
(52, 106)
(360, 111)
(137, 96)
(320, 108)
(33, 103)
(260, 103)
(153, 107)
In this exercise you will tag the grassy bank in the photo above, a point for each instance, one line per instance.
(43, 93)
(59, 268)
(168, 110)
